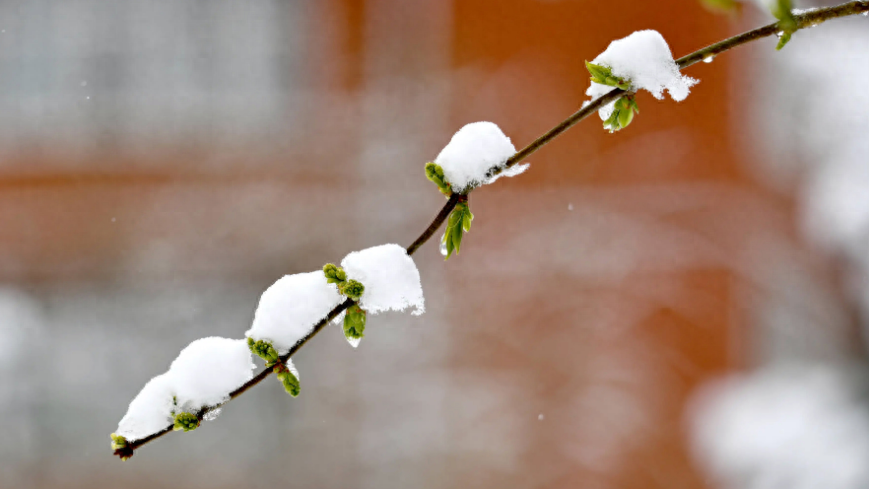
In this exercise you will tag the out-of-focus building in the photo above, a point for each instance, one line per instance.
(162, 163)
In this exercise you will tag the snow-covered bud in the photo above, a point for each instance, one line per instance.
(352, 289)
(334, 274)
(186, 422)
(264, 350)
(288, 379)
(354, 322)
(435, 173)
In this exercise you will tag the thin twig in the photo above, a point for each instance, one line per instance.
(804, 20)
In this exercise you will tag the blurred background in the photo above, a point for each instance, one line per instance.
(679, 305)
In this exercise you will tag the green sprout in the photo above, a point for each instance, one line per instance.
(264, 350)
(458, 224)
(623, 114)
(352, 289)
(604, 76)
(118, 441)
(354, 322)
(783, 11)
(288, 379)
(121, 447)
(334, 273)
(186, 422)
(435, 173)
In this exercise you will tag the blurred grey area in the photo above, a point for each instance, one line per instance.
(798, 416)
(163, 162)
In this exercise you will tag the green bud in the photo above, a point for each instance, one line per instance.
(288, 379)
(121, 447)
(783, 11)
(783, 40)
(186, 422)
(625, 117)
(352, 289)
(604, 76)
(354, 322)
(118, 441)
(435, 173)
(264, 350)
(334, 274)
(623, 114)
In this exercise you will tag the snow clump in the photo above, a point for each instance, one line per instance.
(390, 277)
(202, 375)
(291, 307)
(477, 148)
(645, 59)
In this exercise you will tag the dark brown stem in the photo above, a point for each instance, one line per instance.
(435, 224)
(807, 19)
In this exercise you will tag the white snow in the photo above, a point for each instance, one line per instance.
(645, 59)
(150, 411)
(202, 375)
(289, 309)
(800, 428)
(390, 278)
(209, 369)
(472, 152)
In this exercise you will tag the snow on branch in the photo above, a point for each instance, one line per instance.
(641, 61)
(472, 153)
(289, 309)
(211, 371)
(391, 283)
(390, 276)
(203, 375)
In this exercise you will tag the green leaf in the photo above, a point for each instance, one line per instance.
(604, 76)
(623, 114)
(625, 117)
(783, 11)
(783, 39)
(354, 322)
(458, 223)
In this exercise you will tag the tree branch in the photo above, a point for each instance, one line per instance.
(804, 20)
